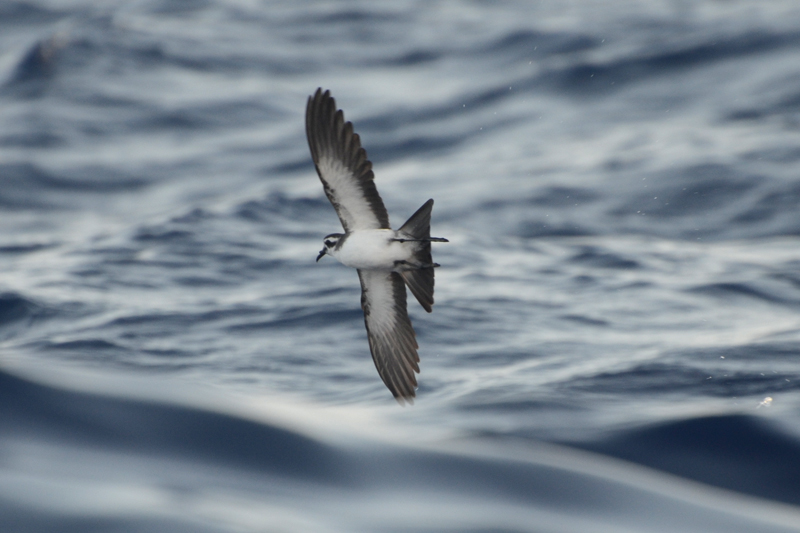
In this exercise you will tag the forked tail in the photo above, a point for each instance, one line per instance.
(420, 280)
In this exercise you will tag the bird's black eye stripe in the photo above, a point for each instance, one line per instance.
(329, 243)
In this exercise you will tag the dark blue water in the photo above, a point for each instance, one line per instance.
(616, 337)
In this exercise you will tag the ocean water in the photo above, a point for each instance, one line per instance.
(616, 335)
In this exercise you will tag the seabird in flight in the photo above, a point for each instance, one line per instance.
(387, 260)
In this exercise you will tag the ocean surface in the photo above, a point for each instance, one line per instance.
(615, 345)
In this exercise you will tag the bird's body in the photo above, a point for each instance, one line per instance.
(387, 260)
(372, 249)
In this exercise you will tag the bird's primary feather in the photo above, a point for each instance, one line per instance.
(342, 165)
(391, 337)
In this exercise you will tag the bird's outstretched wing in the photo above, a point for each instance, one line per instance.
(342, 165)
(391, 337)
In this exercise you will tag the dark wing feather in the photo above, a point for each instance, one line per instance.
(391, 337)
(342, 165)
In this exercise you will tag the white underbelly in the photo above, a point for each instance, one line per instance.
(372, 249)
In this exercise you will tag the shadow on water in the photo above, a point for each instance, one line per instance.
(70, 444)
(736, 452)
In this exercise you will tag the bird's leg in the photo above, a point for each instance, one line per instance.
(416, 266)
(429, 239)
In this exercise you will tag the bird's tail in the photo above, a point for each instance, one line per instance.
(418, 230)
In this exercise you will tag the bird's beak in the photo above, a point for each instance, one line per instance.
(320, 255)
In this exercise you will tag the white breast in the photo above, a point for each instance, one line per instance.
(372, 249)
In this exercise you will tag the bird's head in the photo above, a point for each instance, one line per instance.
(329, 243)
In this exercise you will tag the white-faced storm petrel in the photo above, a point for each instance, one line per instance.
(387, 260)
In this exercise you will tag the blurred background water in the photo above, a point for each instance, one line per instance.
(620, 183)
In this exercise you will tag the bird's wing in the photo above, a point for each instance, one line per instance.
(391, 337)
(342, 165)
